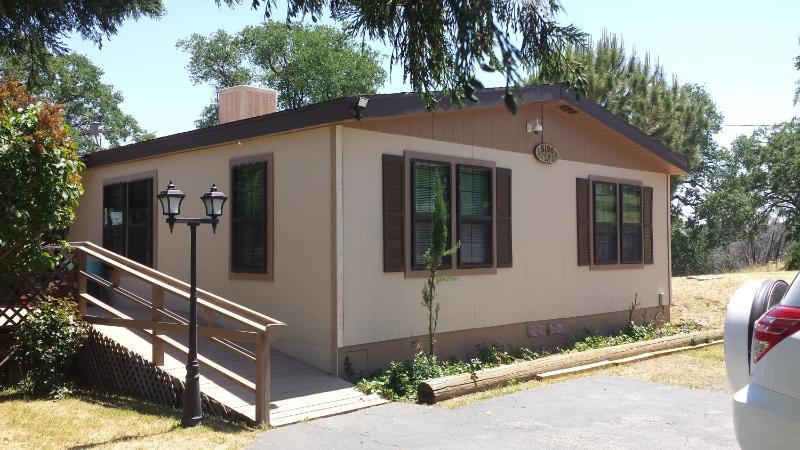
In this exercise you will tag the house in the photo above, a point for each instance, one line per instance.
(562, 212)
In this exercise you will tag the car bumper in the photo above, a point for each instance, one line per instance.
(765, 419)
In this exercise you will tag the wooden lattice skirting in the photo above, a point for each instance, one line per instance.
(105, 364)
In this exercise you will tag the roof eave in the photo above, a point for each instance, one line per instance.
(380, 106)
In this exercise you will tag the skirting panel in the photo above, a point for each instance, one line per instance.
(105, 364)
(538, 335)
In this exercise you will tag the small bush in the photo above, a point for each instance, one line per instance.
(792, 259)
(45, 344)
(632, 333)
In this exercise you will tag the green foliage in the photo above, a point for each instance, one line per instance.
(690, 249)
(630, 334)
(792, 259)
(40, 183)
(305, 64)
(45, 344)
(433, 258)
(769, 165)
(797, 91)
(73, 81)
(739, 193)
(440, 45)
(400, 380)
(35, 28)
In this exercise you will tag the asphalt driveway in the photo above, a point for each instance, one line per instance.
(594, 412)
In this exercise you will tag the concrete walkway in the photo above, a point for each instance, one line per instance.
(595, 412)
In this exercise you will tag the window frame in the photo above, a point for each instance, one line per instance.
(593, 265)
(454, 162)
(640, 189)
(154, 212)
(243, 274)
(492, 219)
(448, 262)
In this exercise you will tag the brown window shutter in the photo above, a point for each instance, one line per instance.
(393, 254)
(584, 216)
(503, 205)
(647, 224)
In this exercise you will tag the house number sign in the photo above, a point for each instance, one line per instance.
(546, 153)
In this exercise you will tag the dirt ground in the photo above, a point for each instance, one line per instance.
(705, 302)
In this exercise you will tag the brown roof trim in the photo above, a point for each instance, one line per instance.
(341, 109)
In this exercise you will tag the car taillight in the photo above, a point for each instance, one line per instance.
(773, 327)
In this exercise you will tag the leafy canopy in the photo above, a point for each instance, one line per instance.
(40, 181)
(35, 28)
(74, 82)
(305, 64)
(440, 45)
(769, 167)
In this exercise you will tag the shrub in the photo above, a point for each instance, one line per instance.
(792, 259)
(39, 181)
(46, 343)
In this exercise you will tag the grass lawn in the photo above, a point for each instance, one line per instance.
(104, 421)
(705, 301)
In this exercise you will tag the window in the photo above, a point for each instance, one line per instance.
(475, 216)
(605, 223)
(249, 233)
(128, 219)
(423, 179)
(631, 224)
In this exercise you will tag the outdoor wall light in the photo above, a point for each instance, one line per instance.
(360, 106)
(213, 200)
(535, 127)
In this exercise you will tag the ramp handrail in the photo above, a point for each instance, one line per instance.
(256, 326)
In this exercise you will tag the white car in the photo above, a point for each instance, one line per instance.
(762, 357)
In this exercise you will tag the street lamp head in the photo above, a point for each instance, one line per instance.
(171, 199)
(214, 201)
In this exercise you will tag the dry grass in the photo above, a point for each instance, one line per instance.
(702, 368)
(705, 301)
(101, 421)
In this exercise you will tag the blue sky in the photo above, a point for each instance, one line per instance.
(742, 52)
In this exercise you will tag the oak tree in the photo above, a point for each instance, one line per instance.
(305, 63)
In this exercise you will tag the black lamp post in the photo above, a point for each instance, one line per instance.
(171, 199)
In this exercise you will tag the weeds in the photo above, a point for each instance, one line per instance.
(400, 380)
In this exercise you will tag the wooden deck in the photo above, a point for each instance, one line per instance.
(299, 391)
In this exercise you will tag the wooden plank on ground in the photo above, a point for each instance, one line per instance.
(431, 391)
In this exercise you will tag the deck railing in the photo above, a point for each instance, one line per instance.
(251, 327)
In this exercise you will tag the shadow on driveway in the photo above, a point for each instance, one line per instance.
(594, 412)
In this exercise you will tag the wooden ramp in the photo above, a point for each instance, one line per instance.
(299, 391)
(141, 312)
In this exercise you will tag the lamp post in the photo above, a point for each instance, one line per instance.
(171, 199)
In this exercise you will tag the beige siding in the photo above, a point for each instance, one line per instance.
(300, 294)
(545, 281)
(579, 137)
